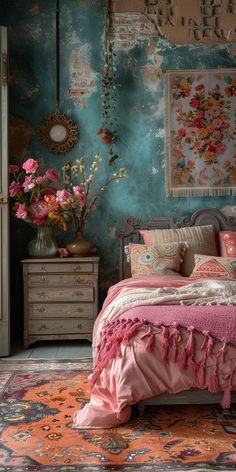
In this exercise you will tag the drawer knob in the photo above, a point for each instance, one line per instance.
(79, 326)
(80, 310)
(43, 278)
(78, 280)
(43, 268)
(43, 326)
(40, 309)
(42, 294)
(78, 293)
(77, 268)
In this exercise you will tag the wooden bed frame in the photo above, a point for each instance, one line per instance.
(208, 216)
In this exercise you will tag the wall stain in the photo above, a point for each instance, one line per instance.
(20, 133)
(34, 10)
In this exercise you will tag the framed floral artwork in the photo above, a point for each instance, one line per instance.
(200, 132)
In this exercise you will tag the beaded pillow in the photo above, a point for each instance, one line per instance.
(214, 267)
(227, 241)
(161, 259)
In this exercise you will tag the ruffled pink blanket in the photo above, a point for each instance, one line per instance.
(142, 350)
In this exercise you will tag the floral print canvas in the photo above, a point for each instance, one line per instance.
(200, 132)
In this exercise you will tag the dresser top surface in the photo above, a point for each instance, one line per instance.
(61, 260)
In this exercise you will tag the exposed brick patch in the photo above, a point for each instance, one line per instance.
(178, 21)
(128, 30)
(83, 79)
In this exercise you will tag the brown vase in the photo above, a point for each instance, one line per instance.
(80, 246)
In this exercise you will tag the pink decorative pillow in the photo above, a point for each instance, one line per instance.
(214, 267)
(162, 259)
(227, 243)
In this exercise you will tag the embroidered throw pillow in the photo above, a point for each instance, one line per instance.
(227, 241)
(200, 240)
(162, 259)
(214, 267)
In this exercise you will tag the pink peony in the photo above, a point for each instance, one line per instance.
(21, 211)
(64, 198)
(62, 252)
(52, 175)
(28, 184)
(13, 169)
(30, 166)
(14, 188)
(79, 193)
(41, 179)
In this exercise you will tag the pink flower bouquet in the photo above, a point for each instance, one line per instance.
(37, 201)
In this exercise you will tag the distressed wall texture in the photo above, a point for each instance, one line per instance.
(150, 37)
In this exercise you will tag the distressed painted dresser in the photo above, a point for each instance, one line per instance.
(60, 298)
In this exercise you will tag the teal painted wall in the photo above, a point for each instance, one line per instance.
(140, 109)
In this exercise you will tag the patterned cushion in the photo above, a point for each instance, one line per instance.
(200, 240)
(161, 259)
(227, 243)
(214, 267)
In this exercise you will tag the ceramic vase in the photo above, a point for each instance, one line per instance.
(79, 246)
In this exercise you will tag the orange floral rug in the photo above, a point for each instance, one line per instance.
(39, 398)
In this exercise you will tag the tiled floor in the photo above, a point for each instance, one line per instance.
(53, 350)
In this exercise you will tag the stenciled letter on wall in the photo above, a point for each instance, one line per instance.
(200, 134)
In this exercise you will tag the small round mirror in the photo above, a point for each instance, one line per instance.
(58, 133)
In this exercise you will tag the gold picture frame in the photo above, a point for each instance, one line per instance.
(58, 133)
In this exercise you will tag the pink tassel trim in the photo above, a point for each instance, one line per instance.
(213, 385)
(226, 400)
(164, 343)
(175, 338)
(172, 348)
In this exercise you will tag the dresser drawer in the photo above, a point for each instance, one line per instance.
(57, 280)
(59, 268)
(57, 294)
(56, 326)
(61, 310)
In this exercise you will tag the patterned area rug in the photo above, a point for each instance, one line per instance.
(39, 398)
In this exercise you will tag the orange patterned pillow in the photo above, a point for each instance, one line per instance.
(214, 267)
(227, 243)
(162, 259)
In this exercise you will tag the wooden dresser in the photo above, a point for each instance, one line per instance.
(60, 298)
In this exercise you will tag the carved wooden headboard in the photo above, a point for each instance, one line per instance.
(210, 216)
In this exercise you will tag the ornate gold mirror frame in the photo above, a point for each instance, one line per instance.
(58, 132)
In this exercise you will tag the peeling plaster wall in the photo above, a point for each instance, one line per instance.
(141, 56)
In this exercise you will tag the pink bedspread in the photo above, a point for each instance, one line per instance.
(152, 349)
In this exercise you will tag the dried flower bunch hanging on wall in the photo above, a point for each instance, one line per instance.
(107, 133)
